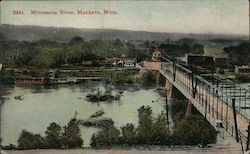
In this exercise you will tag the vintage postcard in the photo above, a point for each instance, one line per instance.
(124, 76)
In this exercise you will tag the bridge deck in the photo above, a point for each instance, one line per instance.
(209, 100)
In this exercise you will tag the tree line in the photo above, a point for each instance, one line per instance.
(239, 55)
(51, 54)
(55, 137)
(150, 131)
(192, 130)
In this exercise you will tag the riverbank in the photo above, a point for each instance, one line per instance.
(217, 149)
(117, 75)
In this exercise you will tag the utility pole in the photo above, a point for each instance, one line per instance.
(248, 137)
(235, 121)
(174, 69)
(206, 109)
(166, 93)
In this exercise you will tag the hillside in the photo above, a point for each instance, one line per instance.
(31, 33)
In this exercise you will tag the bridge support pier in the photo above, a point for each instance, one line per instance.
(160, 79)
(169, 89)
(189, 109)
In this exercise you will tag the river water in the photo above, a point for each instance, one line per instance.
(42, 105)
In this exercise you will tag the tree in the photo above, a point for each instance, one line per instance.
(28, 140)
(148, 79)
(71, 137)
(107, 137)
(117, 43)
(76, 39)
(144, 130)
(128, 134)
(197, 49)
(195, 130)
(161, 132)
(53, 138)
(239, 55)
(1, 36)
(187, 41)
(112, 136)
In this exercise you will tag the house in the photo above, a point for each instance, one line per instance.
(242, 69)
(121, 62)
(111, 62)
(158, 54)
(203, 61)
(221, 61)
(129, 62)
(52, 74)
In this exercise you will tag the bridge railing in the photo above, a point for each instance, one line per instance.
(210, 97)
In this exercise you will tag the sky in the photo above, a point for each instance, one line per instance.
(183, 16)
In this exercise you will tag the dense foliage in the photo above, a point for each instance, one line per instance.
(71, 138)
(192, 130)
(106, 138)
(50, 54)
(181, 47)
(54, 138)
(145, 129)
(195, 130)
(29, 140)
(128, 134)
(44, 54)
(239, 55)
(150, 131)
(148, 78)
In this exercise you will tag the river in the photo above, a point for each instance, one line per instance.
(42, 105)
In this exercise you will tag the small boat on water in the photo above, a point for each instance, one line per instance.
(18, 97)
(97, 114)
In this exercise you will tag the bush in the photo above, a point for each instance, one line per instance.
(54, 137)
(152, 131)
(128, 134)
(106, 138)
(194, 130)
(161, 130)
(28, 140)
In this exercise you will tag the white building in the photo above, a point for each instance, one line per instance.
(129, 62)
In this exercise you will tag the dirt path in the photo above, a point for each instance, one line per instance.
(216, 149)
